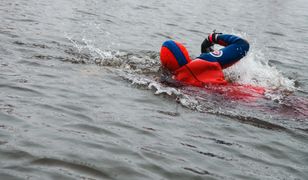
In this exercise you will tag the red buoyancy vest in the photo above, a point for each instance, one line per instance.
(200, 72)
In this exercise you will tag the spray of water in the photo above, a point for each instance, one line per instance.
(139, 68)
(254, 69)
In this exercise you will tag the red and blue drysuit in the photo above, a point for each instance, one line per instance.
(206, 68)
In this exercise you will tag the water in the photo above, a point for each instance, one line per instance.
(81, 96)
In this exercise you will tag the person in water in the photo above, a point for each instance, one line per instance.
(207, 68)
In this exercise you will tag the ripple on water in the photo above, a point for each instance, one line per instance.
(70, 121)
(75, 166)
(20, 89)
(95, 129)
(275, 33)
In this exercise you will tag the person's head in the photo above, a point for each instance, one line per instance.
(173, 55)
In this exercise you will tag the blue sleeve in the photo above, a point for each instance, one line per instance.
(234, 50)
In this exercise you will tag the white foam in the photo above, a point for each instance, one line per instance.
(97, 56)
(254, 69)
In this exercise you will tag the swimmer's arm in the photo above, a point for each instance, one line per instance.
(225, 39)
(235, 49)
(167, 78)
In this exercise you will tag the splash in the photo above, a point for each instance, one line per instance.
(142, 70)
(254, 69)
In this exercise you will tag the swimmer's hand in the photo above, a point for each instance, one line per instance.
(208, 43)
(206, 46)
(213, 37)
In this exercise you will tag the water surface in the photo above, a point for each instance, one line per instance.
(80, 95)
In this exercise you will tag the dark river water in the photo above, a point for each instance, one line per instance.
(81, 96)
